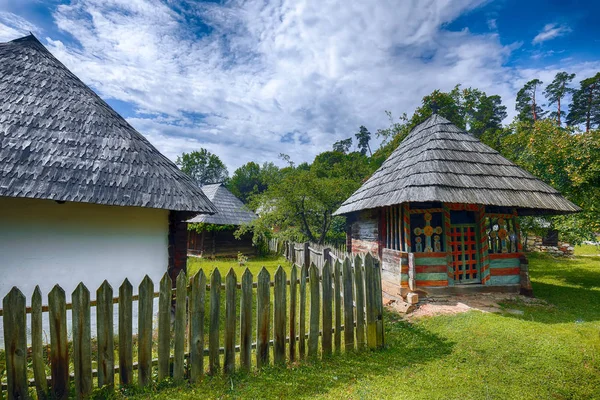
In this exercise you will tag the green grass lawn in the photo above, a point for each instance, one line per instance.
(254, 264)
(551, 351)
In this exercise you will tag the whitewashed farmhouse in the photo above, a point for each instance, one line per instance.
(83, 195)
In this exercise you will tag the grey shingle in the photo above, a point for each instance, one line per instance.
(230, 209)
(440, 162)
(60, 141)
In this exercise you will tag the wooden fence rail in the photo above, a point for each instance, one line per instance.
(334, 293)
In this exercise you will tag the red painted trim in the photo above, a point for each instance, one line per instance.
(431, 283)
(428, 255)
(429, 269)
(505, 271)
(500, 256)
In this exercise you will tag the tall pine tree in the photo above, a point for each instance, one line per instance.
(527, 105)
(585, 108)
(556, 91)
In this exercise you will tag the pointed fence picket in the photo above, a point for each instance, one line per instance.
(302, 320)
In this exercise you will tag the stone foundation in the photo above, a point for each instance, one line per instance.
(534, 243)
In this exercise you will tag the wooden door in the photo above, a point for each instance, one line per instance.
(465, 255)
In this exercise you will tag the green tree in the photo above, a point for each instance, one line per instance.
(556, 91)
(252, 179)
(483, 112)
(343, 146)
(585, 108)
(363, 137)
(203, 167)
(448, 105)
(527, 105)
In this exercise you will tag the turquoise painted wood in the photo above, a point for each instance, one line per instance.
(430, 261)
(505, 280)
(505, 263)
(435, 276)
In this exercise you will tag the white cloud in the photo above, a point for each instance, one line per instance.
(12, 26)
(551, 31)
(258, 71)
(492, 24)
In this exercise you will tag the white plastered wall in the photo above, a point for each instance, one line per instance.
(44, 243)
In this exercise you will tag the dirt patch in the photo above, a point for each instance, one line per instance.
(454, 304)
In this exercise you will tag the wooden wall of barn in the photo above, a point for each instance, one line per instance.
(363, 231)
(219, 244)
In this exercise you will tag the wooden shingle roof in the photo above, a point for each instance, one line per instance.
(438, 162)
(230, 209)
(60, 141)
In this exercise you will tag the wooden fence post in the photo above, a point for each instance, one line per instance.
(230, 304)
(213, 335)
(293, 306)
(180, 323)
(125, 333)
(359, 285)
(164, 326)
(196, 321)
(105, 331)
(246, 321)
(348, 305)
(302, 323)
(82, 341)
(315, 311)
(327, 309)
(327, 256)
(279, 317)
(15, 343)
(59, 352)
(374, 303)
(337, 283)
(37, 346)
(263, 311)
(306, 255)
(145, 305)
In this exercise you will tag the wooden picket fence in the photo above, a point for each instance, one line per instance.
(348, 291)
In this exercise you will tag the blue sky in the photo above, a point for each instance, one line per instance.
(251, 79)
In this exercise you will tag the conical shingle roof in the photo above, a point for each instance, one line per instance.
(230, 209)
(60, 141)
(438, 162)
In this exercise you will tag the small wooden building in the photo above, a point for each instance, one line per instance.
(84, 197)
(451, 204)
(215, 238)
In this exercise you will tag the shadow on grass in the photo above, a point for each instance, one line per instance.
(407, 345)
(571, 287)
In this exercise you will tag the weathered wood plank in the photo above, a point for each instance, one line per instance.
(327, 309)
(263, 311)
(37, 345)
(315, 312)
(230, 304)
(302, 322)
(105, 332)
(82, 341)
(359, 285)
(125, 333)
(293, 312)
(15, 343)
(348, 306)
(180, 325)
(279, 317)
(370, 303)
(164, 326)
(197, 299)
(246, 321)
(378, 303)
(337, 283)
(59, 352)
(213, 334)
(145, 303)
